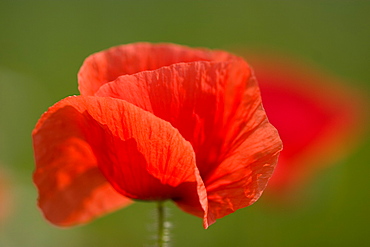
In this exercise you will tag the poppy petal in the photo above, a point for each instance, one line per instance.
(250, 153)
(142, 156)
(106, 66)
(192, 97)
(71, 188)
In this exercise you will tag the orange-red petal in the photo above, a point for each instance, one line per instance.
(193, 97)
(106, 66)
(142, 156)
(71, 188)
(249, 155)
(189, 96)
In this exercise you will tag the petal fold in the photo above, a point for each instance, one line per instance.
(71, 188)
(248, 155)
(243, 175)
(142, 156)
(193, 97)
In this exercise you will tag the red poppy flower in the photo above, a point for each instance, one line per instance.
(155, 122)
(317, 117)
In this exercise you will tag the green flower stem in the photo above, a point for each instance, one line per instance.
(161, 224)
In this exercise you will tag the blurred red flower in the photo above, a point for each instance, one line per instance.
(317, 117)
(155, 122)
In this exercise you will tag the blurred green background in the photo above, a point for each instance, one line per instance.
(43, 44)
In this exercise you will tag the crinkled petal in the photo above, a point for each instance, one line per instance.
(71, 188)
(248, 155)
(142, 156)
(243, 175)
(193, 97)
(106, 66)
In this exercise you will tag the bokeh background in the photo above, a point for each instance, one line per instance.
(43, 44)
